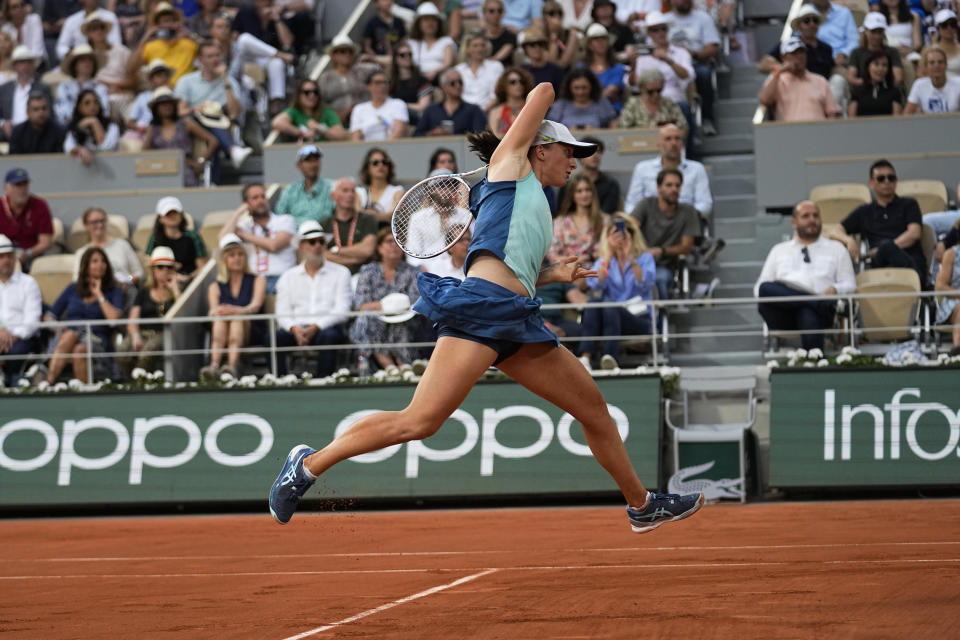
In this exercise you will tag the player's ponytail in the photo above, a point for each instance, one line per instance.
(483, 144)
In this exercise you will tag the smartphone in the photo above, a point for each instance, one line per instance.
(620, 226)
(163, 34)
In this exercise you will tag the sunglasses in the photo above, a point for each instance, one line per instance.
(542, 45)
(94, 26)
(949, 23)
(314, 241)
(403, 54)
(886, 177)
(454, 83)
(810, 20)
(163, 266)
(310, 92)
(653, 92)
(553, 14)
(377, 162)
(514, 81)
(493, 11)
(656, 28)
(96, 221)
(806, 255)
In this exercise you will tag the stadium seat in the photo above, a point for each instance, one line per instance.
(835, 201)
(53, 274)
(58, 232)
(931, 195)
(859, 9)
(210, 228)
(929, 244)
(117, 226)
(889, 319)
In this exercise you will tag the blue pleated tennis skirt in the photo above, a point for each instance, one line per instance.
(481, 308)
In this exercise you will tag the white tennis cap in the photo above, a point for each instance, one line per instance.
(168, 204)
(6, 245)
(230, 240)
(311, 229)
(550, 132)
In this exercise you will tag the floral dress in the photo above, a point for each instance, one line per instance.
(372, 285)
(568, 240)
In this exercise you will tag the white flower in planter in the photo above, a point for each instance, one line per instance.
(289, 379)
(808, 365)
(248, 381)
(802, 353)
(848, 350)
(138, 373)
(43, 386)
(773, 364)
(74, 384)
(60, 387)
(823, 362)
(844, 358)
(815, 354)
(225, 377)
(158, 375)
(380, 375)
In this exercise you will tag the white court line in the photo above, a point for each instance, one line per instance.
(391, 605)
(401, 554)
(643, 566)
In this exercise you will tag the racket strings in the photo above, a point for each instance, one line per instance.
(432, 216)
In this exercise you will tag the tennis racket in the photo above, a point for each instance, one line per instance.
(434, 214)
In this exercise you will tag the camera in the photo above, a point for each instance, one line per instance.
(164, 34)
(620, 226)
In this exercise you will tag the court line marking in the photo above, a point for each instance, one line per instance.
(390, 605)
(400, 554)
(644, 566)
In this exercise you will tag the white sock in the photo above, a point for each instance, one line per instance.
(306, 472)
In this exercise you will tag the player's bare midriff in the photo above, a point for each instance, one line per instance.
(489, 267)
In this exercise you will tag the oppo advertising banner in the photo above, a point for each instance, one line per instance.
(228, 445)
(865, 428)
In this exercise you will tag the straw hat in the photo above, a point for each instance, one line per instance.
(211, 115)
(426, 10)
(597, 30)
(162, 94)
(69, 62)
(163, 8)
(95, 16)
(163, 256)
(23, 52)
(342, 41)
(806, 11)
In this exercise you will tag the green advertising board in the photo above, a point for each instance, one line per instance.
(228, 445)
(857, 428)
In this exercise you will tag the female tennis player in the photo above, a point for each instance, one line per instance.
(491, 318)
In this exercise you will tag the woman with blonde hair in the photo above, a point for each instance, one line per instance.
(511, 91)
(479, 72)
(152, 301)
(236, 292)
(563, 41)
(378, 192)
(625, 272)
(579, 224)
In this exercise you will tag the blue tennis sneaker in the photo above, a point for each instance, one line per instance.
(662, 508)
(290, 485)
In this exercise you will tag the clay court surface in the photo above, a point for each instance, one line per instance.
(873, 569)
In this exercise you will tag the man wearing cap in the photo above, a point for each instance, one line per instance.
(72, 34)
(353, 232)
(309, 197)
(313, 299)
(165, 39)
(819, 54)
(268, 236)
(20, 307)
(451, 115)
(24, 218)
(535, 45)
(695, 31)
(41, 133)
(14, 94)
(696, 184)
(795, 93)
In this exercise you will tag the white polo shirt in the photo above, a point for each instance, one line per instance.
(322, 299)
(829, 266)
(20, 305)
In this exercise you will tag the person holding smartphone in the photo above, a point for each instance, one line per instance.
(165, 39)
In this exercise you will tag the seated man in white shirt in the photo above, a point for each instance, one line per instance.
(806, 265)
(71, 34)
(313, 299)
(19, 312)
(268, 236)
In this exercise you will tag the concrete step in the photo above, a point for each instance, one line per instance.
(733, 185)
(737, 164)
(744, 87)
(740, 249)
(736, 271)
(726, 144)
(731, 227)
(734, 289)
(734, 206)
(731, 125)
(735, 107)
(742, 73)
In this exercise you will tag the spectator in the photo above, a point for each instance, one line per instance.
(202, 21)
(948, 281)
(433, 51)
(24, 26)
(381, 117)
(556, 321)
(170, 131)
(378, 195)
(443, 158)
(130, 17)
(309, 197)
(796, 94)
(408, 84)
(872, 40)
(71, 34)
(945, 39)
(607, 188)
(313, 299)
(387, 284)
(452, 11)
(891, 225)
(449, 263)
(93, 296)
(938, 92)
(651, 109)
(579, 223)
(384, 31)
(535, 46)
(511, 91)
(502, 41)
(248, 49)
(308, 119)
(14, 94)
(522, 14)
(165, 39)
(819, 54)
(904, 27)
(622, 38)
(696, 184)
(41, 133)
(807, 265)
(877, 95)
(236, 292)
(111, 61)
(81, 66)
(298, 17)
(695, 31)
(268, 236)
(141, 114)
(170, 230)
(674, 62)
(669, 227)
(6, 53)
(451, 115)
(440, 209)
(20, 305)
(344, 83)
(625, 272)
(354, 232)
(581, 104)
(90, 130)
(153, 301)
(598, 58)
(564, 41)
(262, 19)
(479, 73)
(123, 259)
(25, 218)
(577, 14)
(839, 30)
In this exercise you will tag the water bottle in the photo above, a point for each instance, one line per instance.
(363, 365)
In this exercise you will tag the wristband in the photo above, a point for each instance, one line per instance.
(101, 300)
